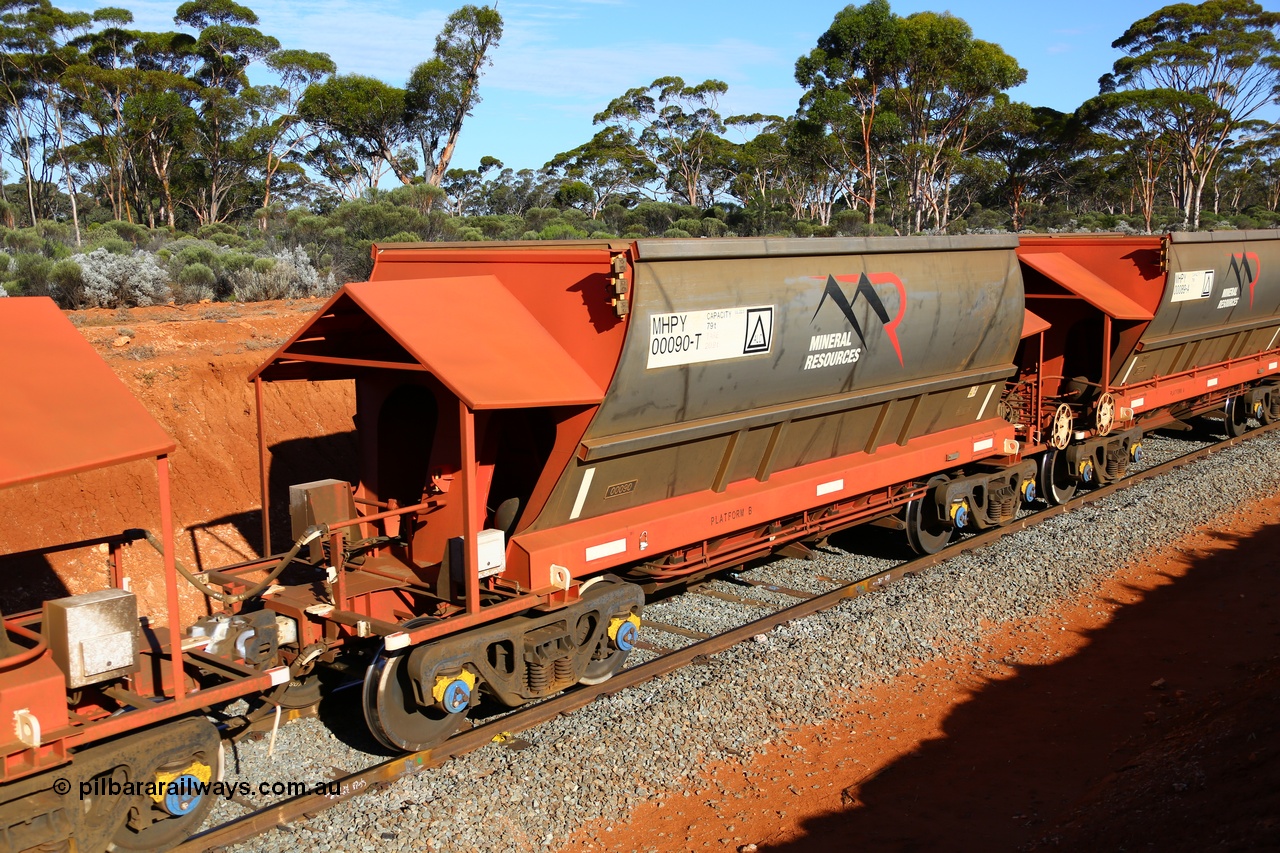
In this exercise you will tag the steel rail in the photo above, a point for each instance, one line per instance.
(375, 777)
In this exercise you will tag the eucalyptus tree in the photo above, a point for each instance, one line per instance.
(859, 56)
(159, 118)
(360, 132)
(947, 80)
(228, 42)
(444, 90)
(280, 136)
(1206, 70)
(1030, 146)
(34, 48)
(903, 98)
(1138, 126)
(677, 128)
(97, 85)
(461, 186)
(609, 165)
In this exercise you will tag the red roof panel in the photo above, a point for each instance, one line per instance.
(470, 331)
(64, 410)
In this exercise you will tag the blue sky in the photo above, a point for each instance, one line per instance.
(562, 61)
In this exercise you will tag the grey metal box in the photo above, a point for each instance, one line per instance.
(319, 502)
(94, 636)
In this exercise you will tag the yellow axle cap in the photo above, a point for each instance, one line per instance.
(443, 681)
(615, 625)
(198, 769)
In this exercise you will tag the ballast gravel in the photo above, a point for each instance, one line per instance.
(653, 741)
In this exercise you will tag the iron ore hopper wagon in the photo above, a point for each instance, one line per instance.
(538, 422)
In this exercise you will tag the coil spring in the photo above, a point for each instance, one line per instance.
(538, 676)
(564, 669)
(1117, 463)
(1003, 503)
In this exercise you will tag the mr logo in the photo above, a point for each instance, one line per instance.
(865, 289)
(1246, 268)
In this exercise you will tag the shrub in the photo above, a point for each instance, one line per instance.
(561, 231)
(194, 283)
(676, 232)
(104, 238)
(693, 227)
(130, 231)
(193, 252)
(121, 281)
(32, 274)
(289, 275)
(66, 283)
(850, 223)
(220, 233)
(714, 227)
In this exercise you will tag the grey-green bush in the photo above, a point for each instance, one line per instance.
(122, 281)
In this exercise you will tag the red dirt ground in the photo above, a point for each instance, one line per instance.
(1144, 716)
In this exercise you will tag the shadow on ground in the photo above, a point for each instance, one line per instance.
(1163, 733)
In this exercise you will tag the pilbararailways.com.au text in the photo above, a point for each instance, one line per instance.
(189, 786)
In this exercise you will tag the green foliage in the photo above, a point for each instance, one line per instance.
(212, 161)
(561, 231)
(31, 274)
(194, 283)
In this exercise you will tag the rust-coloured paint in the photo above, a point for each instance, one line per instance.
(469, 332)
(65, 411)
(1078, 280)
(1033, 324)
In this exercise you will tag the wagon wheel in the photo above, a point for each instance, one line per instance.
(395, 719)
(182, 801)
(1105, 414)
(1053, 478)
(613, 654)
(1060, 427)
(926, 532)
(1236, 417)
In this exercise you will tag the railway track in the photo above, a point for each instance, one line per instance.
(699, 648)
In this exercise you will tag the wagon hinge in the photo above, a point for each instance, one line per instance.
(618, 285)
